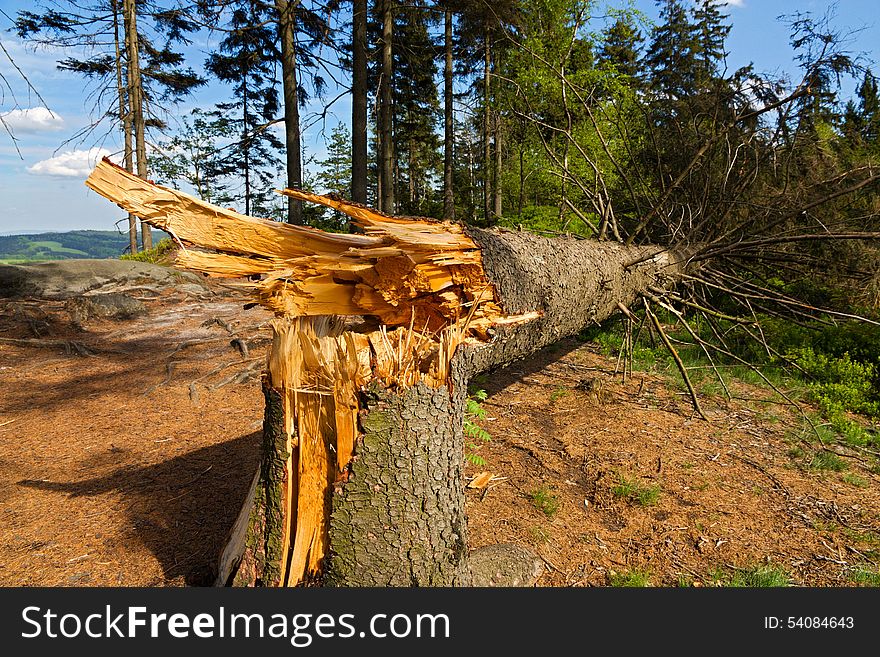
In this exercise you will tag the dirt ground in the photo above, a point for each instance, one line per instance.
(127, 466)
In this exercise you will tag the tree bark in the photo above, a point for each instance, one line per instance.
(136, 102)
(448, 122)
(386, 143)
(496, 174)
(405, 492)
(359, 102)
(289, 82)
(124, 119)
(487, 127)
(361, 475)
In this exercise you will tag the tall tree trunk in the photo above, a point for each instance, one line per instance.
(289, 82)
(124, 118)
(386, 114)
(361, 476)
(359, 102)
(136, 101)
(411, 175)
(522, 182)
(448, 122)
(472, 176)
(496, 173)
(487, 126)
(246, 147)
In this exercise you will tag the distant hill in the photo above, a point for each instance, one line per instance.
(66, 246)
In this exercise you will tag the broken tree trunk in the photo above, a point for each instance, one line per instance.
(361, 476)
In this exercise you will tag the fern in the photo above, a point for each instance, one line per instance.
(473, 431)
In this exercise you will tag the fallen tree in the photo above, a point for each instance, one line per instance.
(375, 338)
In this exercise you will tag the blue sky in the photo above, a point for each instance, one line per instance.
(41, 189)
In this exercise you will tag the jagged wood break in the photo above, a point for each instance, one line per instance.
(423, 281)
(441, 304)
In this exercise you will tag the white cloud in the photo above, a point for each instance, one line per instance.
(33, 120)
(732, 3)
(70, 164)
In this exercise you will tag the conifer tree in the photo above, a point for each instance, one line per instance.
(130, 58)
(672, 56)
(334, 175)
(619, 50)
(246, 61)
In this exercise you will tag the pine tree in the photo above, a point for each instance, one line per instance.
(711, 33)
(300, 30)
(482, 35)
(195, 156)
(673, 54)
(620, 48)
(416, 110)
(334, 175)
(136, 72)
(246, 61)
(869, 109)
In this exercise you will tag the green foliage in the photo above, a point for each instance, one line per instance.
(865, 576)
(636, 492)
(630, 579)
(246, 59)
(825, 460)
(854, 480)
(155, 255)
(836, 367)
(839, 383)
(757, 576)
(195, 156)
(334, 177)
(475, 435)
(545, 501)
(766, 576)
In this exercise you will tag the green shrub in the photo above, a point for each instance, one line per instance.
(839, 382)
(158, 254)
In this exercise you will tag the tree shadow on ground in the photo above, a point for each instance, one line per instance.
(182, 508)
(496, 380)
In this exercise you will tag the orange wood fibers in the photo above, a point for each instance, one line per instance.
(423, 280)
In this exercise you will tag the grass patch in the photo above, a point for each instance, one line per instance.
(762, 577)
(865, 576)
(538, 535)
(545, 501)
(854, 480)
(636, 492)
(558, 394)
(630, 579)
(825, 460)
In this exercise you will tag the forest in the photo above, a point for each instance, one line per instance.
(727, 216)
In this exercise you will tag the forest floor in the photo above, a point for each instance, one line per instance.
(128, 466)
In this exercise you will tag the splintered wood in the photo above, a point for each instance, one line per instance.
(423, 280)
(401, 271)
